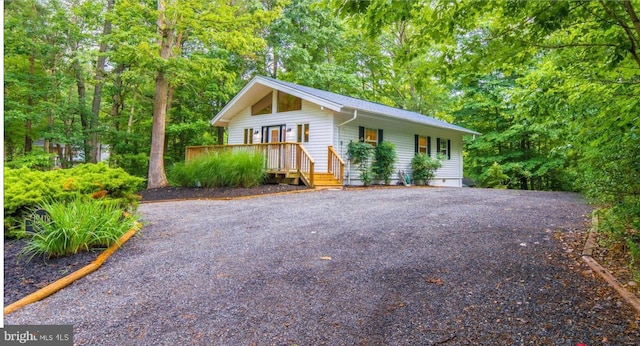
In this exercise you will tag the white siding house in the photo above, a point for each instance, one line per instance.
(267, 110)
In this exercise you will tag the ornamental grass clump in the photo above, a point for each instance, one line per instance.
(220, 169)
(80, 224)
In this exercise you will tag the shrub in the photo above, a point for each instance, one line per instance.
(37, 160)
(385, 158)
(360, 154)
(24, 189)
(495, 177)
(76, 225)
(218, 169)
(424, 167)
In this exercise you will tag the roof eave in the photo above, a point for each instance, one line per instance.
(457, 128)
(336, 107)
(220, 117)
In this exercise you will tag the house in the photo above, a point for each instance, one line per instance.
(305, 132)
(75, 154)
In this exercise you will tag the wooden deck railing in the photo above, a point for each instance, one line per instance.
(279, 157)
(335, 165)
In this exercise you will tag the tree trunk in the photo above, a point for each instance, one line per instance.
(82, 107)
(94, 155)
(117, 99)
(157, 176)
(28, 140)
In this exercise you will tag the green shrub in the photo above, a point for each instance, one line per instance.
(360, 153)
(37, 160)
(424, 167)
(77, 225)
(495, 177)
(134, 164)
(25, 188)
(385, 158)
(218, 169)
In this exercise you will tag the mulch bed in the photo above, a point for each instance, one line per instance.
(172, 193)
(23, 276)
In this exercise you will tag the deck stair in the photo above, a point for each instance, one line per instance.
(325, 180)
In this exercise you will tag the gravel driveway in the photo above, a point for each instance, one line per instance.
(394, 266)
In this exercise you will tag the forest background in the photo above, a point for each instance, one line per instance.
(553, 86)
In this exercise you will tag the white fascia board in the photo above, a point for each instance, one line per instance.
(233, 101)
(319, 101)
(336, 107)
(395, 118)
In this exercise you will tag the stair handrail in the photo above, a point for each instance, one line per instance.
(335, 165)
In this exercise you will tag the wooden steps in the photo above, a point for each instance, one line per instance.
(325, 180)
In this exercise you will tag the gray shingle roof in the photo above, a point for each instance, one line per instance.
(371, 107)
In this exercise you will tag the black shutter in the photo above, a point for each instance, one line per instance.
(380, 139)
(264, 134)
(417, 144)
(437, 147)
(283, 133)
(449, 149)
(429, 146)
(360, 133)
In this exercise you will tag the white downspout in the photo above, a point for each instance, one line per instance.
(355, 115)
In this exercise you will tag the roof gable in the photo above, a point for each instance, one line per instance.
(326, 99)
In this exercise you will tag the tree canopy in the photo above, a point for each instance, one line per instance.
(552, 85)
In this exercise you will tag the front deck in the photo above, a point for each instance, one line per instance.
(285, 160)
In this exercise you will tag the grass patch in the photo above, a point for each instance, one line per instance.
(76, 225)
(220, 169)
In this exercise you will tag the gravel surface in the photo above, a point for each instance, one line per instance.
(24, 275)
(395, 266)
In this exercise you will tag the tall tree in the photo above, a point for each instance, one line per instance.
(94, 143)
(157, 177)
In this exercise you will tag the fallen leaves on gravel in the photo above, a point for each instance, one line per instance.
(436, 281)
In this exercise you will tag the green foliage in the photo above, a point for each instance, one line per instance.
(424, 167)
(360, 153)
(79, 224)
(385, 157)
(224, 168)
(619, 226)
(24, 189)
(37, 160)
(495, 177)
(134, 164)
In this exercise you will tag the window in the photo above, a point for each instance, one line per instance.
(371, 136)
(444, 147)
(423, 144)
(303, 133)
(288, 102)
(248, 136)
(264, 106)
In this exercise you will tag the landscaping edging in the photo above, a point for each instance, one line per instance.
(605, 273)
(67, 280)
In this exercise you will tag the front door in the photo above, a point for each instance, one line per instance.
(275, 157)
